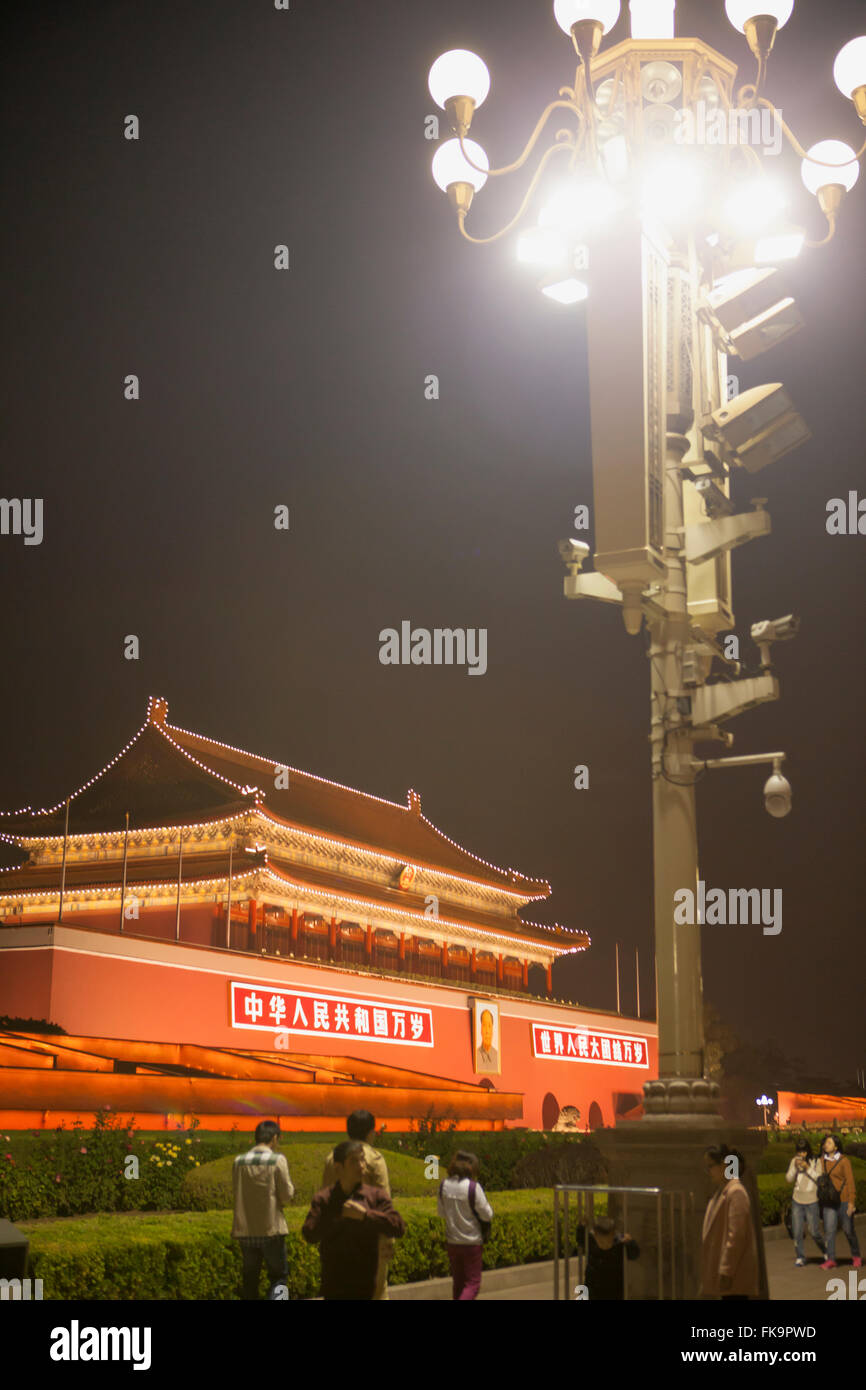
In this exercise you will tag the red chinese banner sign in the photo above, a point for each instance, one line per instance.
(332, 1016)
(589, 1045)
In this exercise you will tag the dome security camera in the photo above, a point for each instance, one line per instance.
(777, 795)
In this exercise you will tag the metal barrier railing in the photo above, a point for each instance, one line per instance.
(585, 1215)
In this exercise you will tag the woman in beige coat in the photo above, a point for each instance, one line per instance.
(729, 1252)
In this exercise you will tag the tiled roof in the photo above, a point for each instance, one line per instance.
(167, 776)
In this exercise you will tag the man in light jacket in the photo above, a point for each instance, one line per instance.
(262, 1185)
(729, 1252)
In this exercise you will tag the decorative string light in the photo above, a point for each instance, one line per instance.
(264, 814)
(270, 764)
(251, 880)
(227, 820)
(48, 811)
(110, 839)
(432, 869)
(258, 794)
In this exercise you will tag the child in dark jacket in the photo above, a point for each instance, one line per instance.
(607, 1253)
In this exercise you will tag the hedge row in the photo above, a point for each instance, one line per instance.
(190, 1255)
(209, 1187)
(107, 1168)
(510, 1158)
(774, 1194)
(777, 1156)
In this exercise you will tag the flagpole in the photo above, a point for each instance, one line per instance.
(123, 885)
(229, 905)
(63, 865)
(179, 871)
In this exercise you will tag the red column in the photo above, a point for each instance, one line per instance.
(368, 945)
(472, 969)
(444, 958)
(252, 908)
(549, 974)
(500, 974)
(401, 949)
(525, 967)
(294, 929)
(332, 939)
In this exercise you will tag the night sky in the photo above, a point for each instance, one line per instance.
(306, 388)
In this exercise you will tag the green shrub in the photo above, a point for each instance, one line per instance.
(777, 1156)
(504, 1155)
(561, 1160)
(29, 1025)
(774, 1194)
(190, 1255)
(68, 1172)
(209, 1187)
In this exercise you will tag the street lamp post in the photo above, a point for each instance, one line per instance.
(666, 221)
(764, 1102)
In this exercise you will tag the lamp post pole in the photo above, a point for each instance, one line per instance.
(680, 277)
(675, 837)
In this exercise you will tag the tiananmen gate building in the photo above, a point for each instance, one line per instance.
(220, 935)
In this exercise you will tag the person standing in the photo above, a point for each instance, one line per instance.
(803, 1172)
(261, 1185)
(729, 1251)
(837, 1195)
(361, 1126)
(606, 1256)
(464, 1207)
(346, 1221)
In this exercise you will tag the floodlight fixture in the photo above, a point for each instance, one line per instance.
(759, 427)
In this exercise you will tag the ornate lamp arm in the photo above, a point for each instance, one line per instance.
(566, 140)
(533, 139)
(795, 143)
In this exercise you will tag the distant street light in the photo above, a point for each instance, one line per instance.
(764, 1102)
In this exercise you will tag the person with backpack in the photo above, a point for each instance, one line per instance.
(261, 1187)
(836, 1194)
(467, 1215)
(803, 1172)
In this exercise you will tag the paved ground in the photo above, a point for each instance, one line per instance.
(534, 1283)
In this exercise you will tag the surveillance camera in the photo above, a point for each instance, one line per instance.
(714, 499)
(777, 795)
(758, 427)
(779, 630)
(573, 552)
